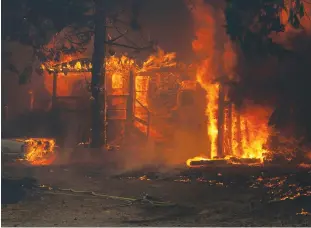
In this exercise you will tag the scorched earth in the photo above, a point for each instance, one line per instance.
(97, 195)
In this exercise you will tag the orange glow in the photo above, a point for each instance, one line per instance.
(117, 81)
(245, 131)
(198, 158)
(303, 212)
(141, 88)
(159, 60)
(40, 151)
(204, 46)
(154, 62)
(117, 68)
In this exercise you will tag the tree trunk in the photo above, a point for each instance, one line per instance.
(98, 136)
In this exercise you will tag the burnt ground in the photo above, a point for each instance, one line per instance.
(201, 197)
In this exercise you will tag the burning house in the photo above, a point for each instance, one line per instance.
(171, 104)
(190, 112)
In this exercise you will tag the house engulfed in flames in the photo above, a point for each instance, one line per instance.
(170, 104)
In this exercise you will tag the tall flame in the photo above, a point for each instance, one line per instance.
(244, 132)
(205, 47)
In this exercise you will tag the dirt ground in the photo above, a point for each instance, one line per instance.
(195, 203)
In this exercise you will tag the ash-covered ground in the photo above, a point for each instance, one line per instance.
(87, 195)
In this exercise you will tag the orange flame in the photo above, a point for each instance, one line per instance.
(154, 62)
(40, 151)
(247, 132)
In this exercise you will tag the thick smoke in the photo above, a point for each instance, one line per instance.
(281, 83)
(278, 87)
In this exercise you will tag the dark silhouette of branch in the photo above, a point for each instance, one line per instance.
(118, 37)
(126, 38)
(129, 47)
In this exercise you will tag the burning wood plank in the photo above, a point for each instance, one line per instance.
(245, 161)
(200, 163)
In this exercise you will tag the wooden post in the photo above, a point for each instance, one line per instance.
(239, 133)
(131, 98)
(54, 95)
(220, 122)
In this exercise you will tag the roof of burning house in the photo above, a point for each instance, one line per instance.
(85, 65)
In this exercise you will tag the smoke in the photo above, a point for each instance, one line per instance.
(281, 83)
(278, 86)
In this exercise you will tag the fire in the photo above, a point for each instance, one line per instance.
(154, 62)
(231, 132)
(117, 68)
(141, 105)
(303, 212)
(159, 60)
(117, 81)
(188, 162)
(40, 151)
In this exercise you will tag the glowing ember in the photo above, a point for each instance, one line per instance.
(40, 151)
(303, 212)
(304, 166)
(282, 188)
(144, 178)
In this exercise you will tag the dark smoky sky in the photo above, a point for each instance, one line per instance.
(169, 22)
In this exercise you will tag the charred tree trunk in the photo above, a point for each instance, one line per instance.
(220, 122)
(98, 136)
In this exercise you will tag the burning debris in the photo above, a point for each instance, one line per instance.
(277, 188)
(40, 151)
(202, 161)
(284, 187)
(303, 212)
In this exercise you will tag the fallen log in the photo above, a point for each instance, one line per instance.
(217, 162)
(245, 161)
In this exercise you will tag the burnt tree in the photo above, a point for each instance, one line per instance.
(98, 82)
